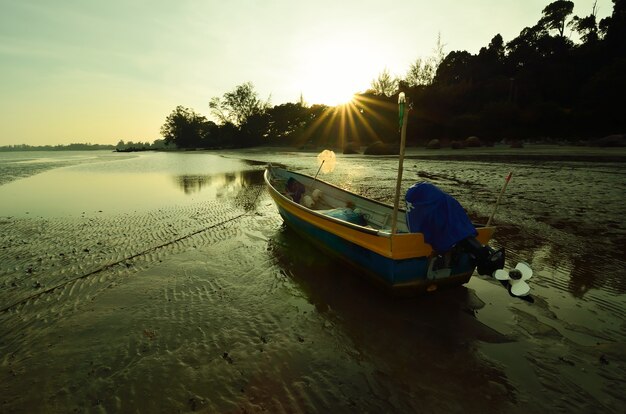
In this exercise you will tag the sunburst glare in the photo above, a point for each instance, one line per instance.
(348, 123)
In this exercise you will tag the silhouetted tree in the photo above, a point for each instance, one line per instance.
(490, 60)
(185, 128)
(287, 120)
(587, 27)
(255, 130)
(456, 67)
(525, 49)
(555, 15)
(614, 29)
(385, 84)
(239, 104)
(422, 71)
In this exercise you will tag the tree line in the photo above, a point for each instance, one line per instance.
(540, 85)
(68, 147)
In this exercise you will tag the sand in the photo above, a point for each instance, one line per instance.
(207, 302)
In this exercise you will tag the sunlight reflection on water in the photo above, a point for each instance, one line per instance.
(128, 185)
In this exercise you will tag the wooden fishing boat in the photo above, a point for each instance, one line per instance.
(431, 244)
(359, 231)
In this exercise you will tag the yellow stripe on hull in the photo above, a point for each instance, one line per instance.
(397, 247)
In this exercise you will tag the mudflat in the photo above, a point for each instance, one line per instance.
(167, 282)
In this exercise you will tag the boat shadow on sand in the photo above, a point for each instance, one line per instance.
(409, 340)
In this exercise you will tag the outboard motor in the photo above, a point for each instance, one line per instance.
(445, 224)
(488, 260)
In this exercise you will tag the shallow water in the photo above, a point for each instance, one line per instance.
(104, 183)
(168, 283)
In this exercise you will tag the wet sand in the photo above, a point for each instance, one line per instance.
(196, 297)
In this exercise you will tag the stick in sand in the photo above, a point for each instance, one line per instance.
(506, 181)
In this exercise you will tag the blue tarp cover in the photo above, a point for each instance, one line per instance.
(346, 214)
(438, 216)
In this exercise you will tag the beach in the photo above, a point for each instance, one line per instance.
(167, 282)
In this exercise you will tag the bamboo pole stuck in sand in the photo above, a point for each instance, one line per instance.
(493, 213)
(404, 114)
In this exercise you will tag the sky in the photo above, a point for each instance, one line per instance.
(94, 71)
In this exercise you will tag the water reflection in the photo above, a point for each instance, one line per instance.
(577, 265)
(224, 182)
(128, 185)
(329, 283)
(191, 184)
(408, 340)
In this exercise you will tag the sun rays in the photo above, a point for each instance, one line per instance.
(358, 122)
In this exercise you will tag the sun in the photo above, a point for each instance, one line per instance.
(333, 69)
(333, 95)
(330, 79)
(329, 94)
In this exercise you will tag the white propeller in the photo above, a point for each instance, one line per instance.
(517, 278)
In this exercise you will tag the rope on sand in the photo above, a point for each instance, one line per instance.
(144, 252)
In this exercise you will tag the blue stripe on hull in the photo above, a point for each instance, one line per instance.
(392, 272)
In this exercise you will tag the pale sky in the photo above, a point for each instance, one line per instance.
(100, 71)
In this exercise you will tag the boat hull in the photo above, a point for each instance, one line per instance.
(404, 276)
(411, 268)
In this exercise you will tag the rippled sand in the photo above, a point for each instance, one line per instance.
(212, 305)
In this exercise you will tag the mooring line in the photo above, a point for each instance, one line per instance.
(110, 265)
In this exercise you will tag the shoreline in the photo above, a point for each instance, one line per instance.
(499, 153)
